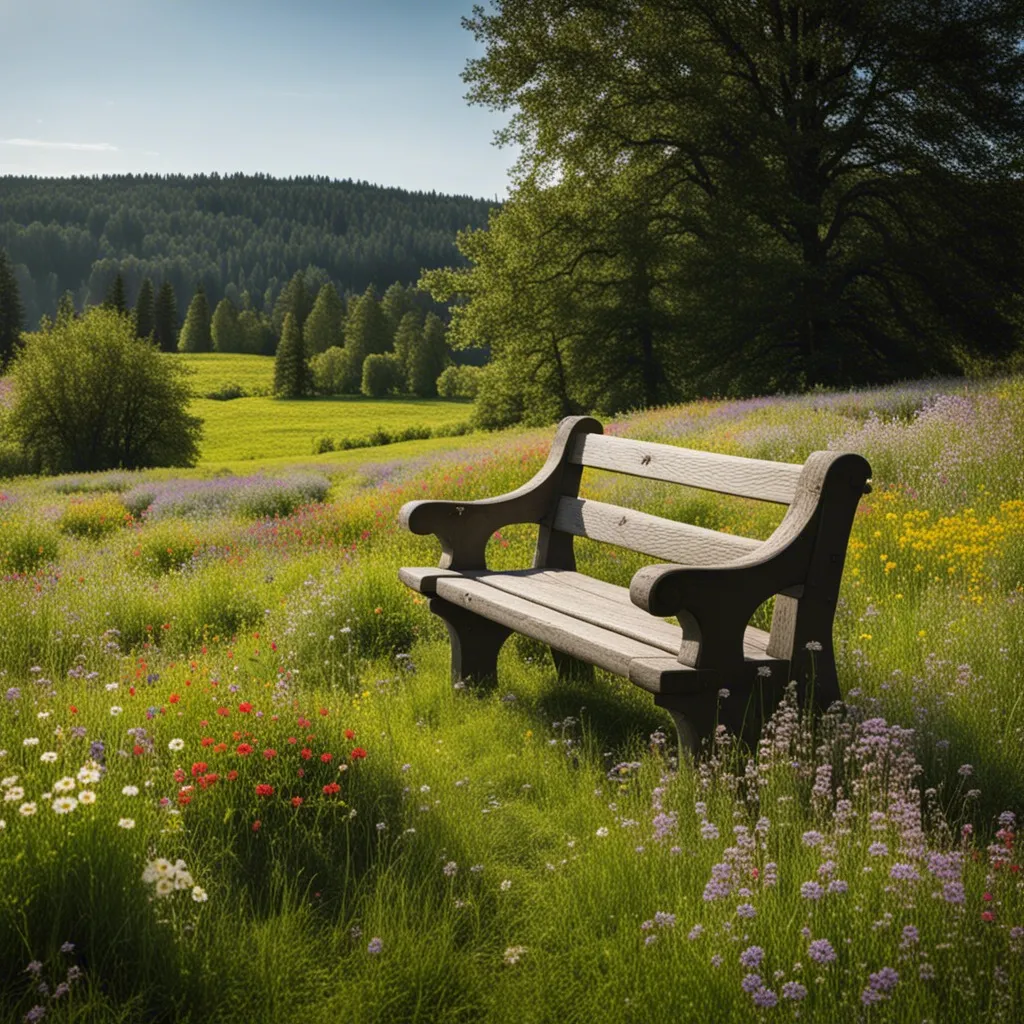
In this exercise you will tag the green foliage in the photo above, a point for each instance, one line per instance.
(296, 298)
(291, 371)
(323, 328)
(66, 308)
(459, 381)
(226, 333)
(195, 332)
(752, 245)
(382, 375)
(257, 333)
(115, 297)
(427, 359)
(12, 313)
(26, 544)
(396, 302)
(165, 319)
(91, 395)
(145, 310)
(329, 370)
(366, 333)
(164, 547)
(93, 517)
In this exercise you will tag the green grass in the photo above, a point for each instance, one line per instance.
(530, 852)
(259, 427)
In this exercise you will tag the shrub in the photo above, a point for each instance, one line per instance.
(93, 484)
(323, 444)
(459, 382)
(89, 394)
(382, 375)
(329, 369)
(164, 547)
(93, 517)
(226, 393)
(25, 544)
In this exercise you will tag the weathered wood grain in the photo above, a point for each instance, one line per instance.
(726, 474)
(651, 535)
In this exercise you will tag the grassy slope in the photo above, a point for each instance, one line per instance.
(573, 882)
(264, 428)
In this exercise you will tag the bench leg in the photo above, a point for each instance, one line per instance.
(476, 641)
(694, 718)
(570, 668)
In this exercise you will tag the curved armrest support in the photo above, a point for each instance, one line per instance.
(464, 527)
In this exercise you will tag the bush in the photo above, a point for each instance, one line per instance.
(89, 394)
(93, 517)
(459, 382)
(323, 444)
(164, 547)
(25, 545)
(329, 369)
(226, 392)
(382, 375)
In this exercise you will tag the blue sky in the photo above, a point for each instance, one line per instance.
(362, 89)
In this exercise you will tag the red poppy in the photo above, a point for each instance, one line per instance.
(256, 825)
(987, 897)
(305, 753)
(987, 915)
(73, 709)
(269, 753)
(232, 775)
(349, 734)
(292, 739)
(206, 741)
(179, 774)
(302, 773)
(220, 748)
(326, 758)
(174, 698)
(236, 735)
(296, 801)
(323, 711)
(243, 749)
(137, 750)
(184, 798)
(224, 712)
(331, 788)
(357, 753)
(304, 723)
(198, 768)
(264, 790)
(245, 707)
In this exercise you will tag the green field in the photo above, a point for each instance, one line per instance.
(238, 784)
(256, 428)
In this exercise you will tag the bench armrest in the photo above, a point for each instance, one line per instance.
(464, 527)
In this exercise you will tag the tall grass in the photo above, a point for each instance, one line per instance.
(532, 852)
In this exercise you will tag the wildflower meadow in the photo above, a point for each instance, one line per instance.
(237, 783)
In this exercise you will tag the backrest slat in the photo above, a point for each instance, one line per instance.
(651, 535)
(727, 474)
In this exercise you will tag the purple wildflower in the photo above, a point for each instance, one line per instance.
(746, 910)
(821, 951)
(884, 980)
(765, 997)
(751, 983)
(878, 850)
(794, 990)
(953, 892)
(36, 1013)
(751, 957)
(695, 932)
(904, 873)
(870, 996)
(910, 936)
(811, 891)
(375, 945)
(812, 838)
(664, 920)
(708, 830)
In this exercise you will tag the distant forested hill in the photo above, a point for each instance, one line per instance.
(233, 234)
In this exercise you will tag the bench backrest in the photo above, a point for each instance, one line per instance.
(800, 487)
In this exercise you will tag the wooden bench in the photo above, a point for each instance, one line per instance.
(712, 584)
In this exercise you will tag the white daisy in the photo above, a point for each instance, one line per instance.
(163, 867)
(130, 790)
(27, 810)
(127, 823)
(88, 775)
(176, 744)
(179, 865)
(30, 741)
(116, 709)
(46, 796)
(199, 894)
(42, 714)
(164, 887)
(9, 781)
(64, 785)
(87, 796)
(111, 686)
(64, 804)
(3, 824)
(48, 756)
(183, 880)
(14, 793)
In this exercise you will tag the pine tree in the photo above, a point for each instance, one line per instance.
(195, 332)
(427, 359)
(396, 302)
(296, 299)
(323, 327)
(12, 312)
(65, 308)
(165, 320)
(366, 333)
(115, 298)
(145, 309)
(225, 331)
(408, 339)
(291, 371)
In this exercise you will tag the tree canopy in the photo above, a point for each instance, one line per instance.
(820, 191)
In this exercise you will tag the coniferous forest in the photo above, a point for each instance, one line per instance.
(240, 236)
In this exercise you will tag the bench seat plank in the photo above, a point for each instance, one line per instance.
(652, 535)
(727, 474)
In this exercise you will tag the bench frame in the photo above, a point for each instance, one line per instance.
(713, 584)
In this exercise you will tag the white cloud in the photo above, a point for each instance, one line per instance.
(94, 147)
